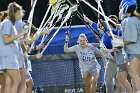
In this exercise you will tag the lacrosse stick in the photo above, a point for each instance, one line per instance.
(72, 9)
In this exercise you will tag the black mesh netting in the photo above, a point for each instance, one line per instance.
(57, 76)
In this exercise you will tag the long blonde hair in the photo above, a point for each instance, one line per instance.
(12, 9)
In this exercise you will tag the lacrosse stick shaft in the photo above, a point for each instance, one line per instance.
(48, 19)
(87, 25)
(106, 20)
(31, 18)
(59, 18)
(39, 30)
(44, 36)
(66, 18)
(98, 11)
(32, 10)
(51, 23)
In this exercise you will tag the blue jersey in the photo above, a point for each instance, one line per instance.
(94, 25)
(107, 40)
(117, 32)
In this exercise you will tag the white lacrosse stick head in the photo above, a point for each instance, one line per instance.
(63, 8)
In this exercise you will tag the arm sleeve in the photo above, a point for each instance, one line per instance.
(97, 51)
(94, 25)
(73, 48)
(22, 24)
(6, 28)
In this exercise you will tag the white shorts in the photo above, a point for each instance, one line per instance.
(9, 62)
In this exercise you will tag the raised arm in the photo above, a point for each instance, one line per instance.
(86, 19)
(66, 48)
(29, 41)
(36, 36)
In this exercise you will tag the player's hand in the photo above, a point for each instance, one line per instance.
(39, 56)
